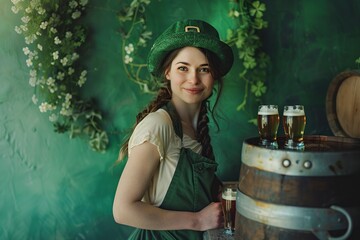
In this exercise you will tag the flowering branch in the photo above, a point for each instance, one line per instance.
(53, 38)
(135, 36)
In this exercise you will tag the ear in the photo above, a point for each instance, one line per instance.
(167, 76)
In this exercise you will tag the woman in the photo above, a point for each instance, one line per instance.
(168, 189)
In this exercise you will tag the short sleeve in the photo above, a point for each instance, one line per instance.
(155, 128)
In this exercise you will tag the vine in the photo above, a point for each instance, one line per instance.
(54, 37)
(135, 37)
(248, 18)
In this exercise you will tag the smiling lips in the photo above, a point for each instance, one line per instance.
(193, 90)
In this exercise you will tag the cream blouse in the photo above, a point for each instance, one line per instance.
(157, 128)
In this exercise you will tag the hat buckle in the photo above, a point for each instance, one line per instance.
(192, 29)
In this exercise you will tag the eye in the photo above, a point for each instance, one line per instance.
(204, 70)
(182, 68)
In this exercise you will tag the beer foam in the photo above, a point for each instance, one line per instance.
(266, 110)
(229, 195)
(294, 112)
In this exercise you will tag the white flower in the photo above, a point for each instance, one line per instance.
(71, 71)
(52, 88)
(24, 28)
(25, 19)
(128, 59)
(15, 1)
(76, 14)
(28, 10)
(34, 99)
(39, 47)
(68, 96)
(26, 50)
(73, 4)
(50, 81)
(30, 39)
(29, 62)
(82, 78)
(32, 81)
(33, 54)
(74, 56)
(83, 2)
(53, 117)
(64, 61)
(33, 73)
(18, 30)
(43, 25)
(53, 30)
(66, 112)
(60, 76)
(44, 107)
(14, 9)
(41, 10)
(68, 34)
(57, 41)
(81, 82)
(129, 48)
(55, 55)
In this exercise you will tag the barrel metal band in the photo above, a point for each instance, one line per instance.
(316, 220)
(294, 163)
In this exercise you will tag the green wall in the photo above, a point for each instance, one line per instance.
(55, 188)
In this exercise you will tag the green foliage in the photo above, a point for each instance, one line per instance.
(54, 38)
(357, 61)
(248, 21)
(134, 38)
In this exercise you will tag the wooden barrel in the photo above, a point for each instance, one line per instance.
(343, 104)
(299, 195)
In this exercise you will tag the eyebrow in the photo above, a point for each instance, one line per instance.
(187, 64)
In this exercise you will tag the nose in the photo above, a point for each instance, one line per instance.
(193, 77)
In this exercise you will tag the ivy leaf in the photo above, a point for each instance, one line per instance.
(74, 131)
(99, 141)
(258, 9)
(253, 121)
(61, 127)
(259, 23)
(258, 89)
(249, 62)
(229, 34)
(357, 61)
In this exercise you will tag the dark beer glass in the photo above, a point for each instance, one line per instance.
(294, 121)
(228, 201)
(268, 123)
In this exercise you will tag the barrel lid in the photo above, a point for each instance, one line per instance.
(343, 104)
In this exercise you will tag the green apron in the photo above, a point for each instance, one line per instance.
(192, 188)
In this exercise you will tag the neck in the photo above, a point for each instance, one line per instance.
(189, 114)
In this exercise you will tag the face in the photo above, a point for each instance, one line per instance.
(190, 76)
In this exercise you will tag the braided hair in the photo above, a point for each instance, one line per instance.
(164, 96)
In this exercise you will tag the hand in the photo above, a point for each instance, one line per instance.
(211, 217)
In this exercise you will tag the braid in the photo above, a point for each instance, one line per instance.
(160, 100)
(203, 132)
(163, 96)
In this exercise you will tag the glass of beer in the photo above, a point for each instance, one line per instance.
(268, 123)
(294, 121)
(228, 201)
